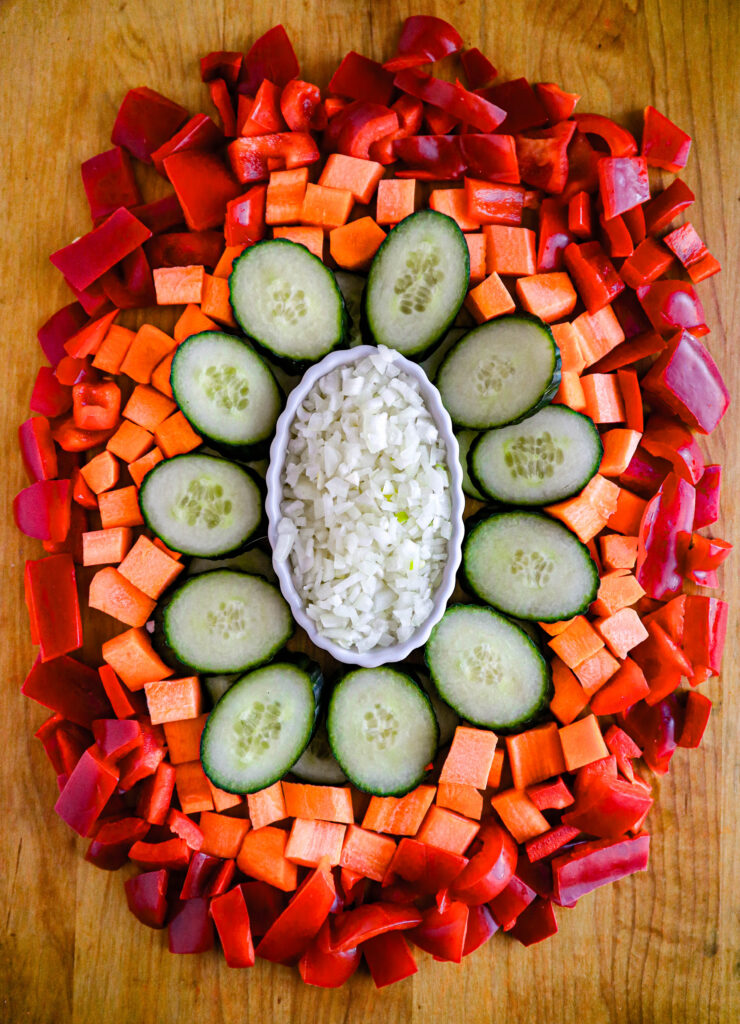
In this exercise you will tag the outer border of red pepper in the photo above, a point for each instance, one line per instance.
(524, 142)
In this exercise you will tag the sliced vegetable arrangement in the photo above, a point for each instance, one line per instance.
(543, 280)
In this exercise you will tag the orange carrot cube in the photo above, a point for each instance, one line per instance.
(101, 547)
(311, 840)
(622, 631)
(360, 177)
(140, 467)
(130, 441)
(113, 594)
(175, 436)
(510, 250)
(312, 238)
(147, 350)
(192, 787)
(172, 700)
(178, 285)
(367, 853)
(326, 207)
(120, 508)
(582, 743)
(395, 199)
(149, 569)
(183, 738)
(132, 657)
(470, 757)
(489, 299)
(148, 407)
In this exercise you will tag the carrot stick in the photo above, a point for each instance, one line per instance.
(353, 245)
(192, 321)
(470, 757)
(577, 642)
(497, 768)
(570, 698)
(401, 816)
(548, 296)
(620, 445)
(215, 303)
(106, 546)
(604, 402)
(600, 333)
(627, 516)
(101, 472)
(192, 788)
(161, 376)
(454, 203)
(621, 631)
(465, 800)
(618, 552)
(120, 508)
(567, 338)
(311, 238)
(285, 194)
(596, 670)
(147, 350)
(570, 392)
(113, 594)
(617, 589)
(113, 349)
(476, 243)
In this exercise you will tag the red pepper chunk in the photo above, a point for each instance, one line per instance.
(666, 206)
(707, 497)
(50, 397)
(389, 958)
(200, 132)
(250, 157)
(290, 934)
(623, 183)
(442, 932)
(224, 64)
(109, 182)
(53, 605)
(428, 868)
(203, 185)
(668, 516)
(271, 56)
(594, 275)
(607, 808)
(144, 121)
(67, 686)
(454, 99)
(360, 125)
(490, 156)
(704, 554)
(360, 78)
(663, 143)
(489, 870)
(191, 928)
(96, 406)
(673, 304)
(352, 927)
(87, 791)
(521, 104)
(558, 104)
(85, 260)
(696, 717)
(58, 329)
(146, 895)
(536, 923)
(300, 105)
(543, 156)
(477, 67)
(656, 729)
(37, 449)
(424, 39)
(245, 217)
(431, 157)
(618, 139)
(685, 380)
(231, 917)
(323, 967)
(671, 440)
(590, 865)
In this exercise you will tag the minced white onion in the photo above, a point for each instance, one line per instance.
(366, 510)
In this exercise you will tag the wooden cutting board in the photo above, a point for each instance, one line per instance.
(661, 947)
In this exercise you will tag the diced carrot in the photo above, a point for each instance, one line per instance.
(177, 555)
(555, 628)
(147, 350)
(328, 803)
(587, 514)
(548, 296)
(582, 743)
(266, 806)
(133, 658)
(113, 349)
(600, 333)
(222, 800)
(311, 840)
(262, 856)
(215, 303)
(576, 643)
(454, 203)
(489, 299)
(497, 768)
(353, 245)
(172, 700)
(618, 552)
(113, 594)
(183, 738)
(101, 547)
(120, 508)
(161, 376)
(400, 816)
(465, 800)
(148, 407)
(622, 631)
(570, 392)
(596, 670)
(326, 207)
(509, 250)
(617, 589)
(629, 387)
(620, 445)
(223, 268)
(519, 814)
(624, 689)
(470, 757)
(396, 199)
(176, 286)
(285, 194)
(311, 238)
(476, 242)
(149, 569)
(570, 698)
(567, 338)
(101, 472)
(359, 177)
(535, 755)
(627, 516)
(604, 402)
(192, 788)
(366, 853)
(175, 436)
(192, 321)
(222, 835)
(140, 467)
(130, 441)
(447, 830)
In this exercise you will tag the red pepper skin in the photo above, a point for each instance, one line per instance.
(264, 114)
(324, 968)
(558, 104)
(130, 284)
(432, 157)
(623, 183)
(144, 121)
(550, 795)
(666, 206)
(590, 865)
(489, 870)
(466, 106)
(221, 99)
(203, 185)
(424, 40)
(705, 554)
(49, 397)
(87, 791)
(673, 304)
(635, 221)
(68, 687)
(271, 56)
(172, 853)
(72, 741)
(47, 733)
(352, 927)
(245, 217)
(580, 217)
(671, 440)
(593, 274)
(519, 102)
(477, 67)
(481, 926)
(549, 842)
(109, 182)
(200, 132)
(631, 315)
(615, 237)
(618, 139)
(649, 261)
(116, 737)
(668, 515)
(291, 933)
(96, 406)
(607, 808)
(491, 157)
(222, 878)
(686, 245)
(185, 249)
(201, 869)
(112, 841)
(146, 895)
(71, 371)
(231, 917)
(509, 904)
(54, 605)
(442, 932)
(663, 143)
(85, 260)
(58, 329)
(360, 78)
(554, 235)
(37, 449)
(645, 474)
(265, 905)
(184, 827)
(224, 64)
(71, 439)
(144, 760)
(624, 749)
(438, 121)
(494, 203)
(249, 156)
(656, 729)
(705, 628)
(583, 167)
(155, 795)
(686, 381)
(410, 113)
(359, 126)
(123, 701)
(300, 105)
(543, 156)
(696, 716)
(161, 215)
(429, 869)
(191, 928)
(389, 958)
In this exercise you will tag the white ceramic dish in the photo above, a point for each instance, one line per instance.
(396, 652)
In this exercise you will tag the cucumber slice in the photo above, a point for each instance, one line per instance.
(500, 372)
(417, 283)
(317, 763)
(465, 439)
(259, 728)
(352, 286)
(529, 566)
(382, 730)
(225, 621)
(545, 458)
(201, 504)
(288, 303)
(487, 668)
(227, 392)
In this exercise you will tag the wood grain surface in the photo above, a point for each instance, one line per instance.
(661, 947)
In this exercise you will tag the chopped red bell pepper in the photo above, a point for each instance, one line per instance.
(68, 687)
(116, 737)
(109, 182)
(492, 203)
(37, 449)
(92, 299)
(696, 716)
(686, 245)
(144, 760)
(184, 827)
(685, 380)
(173, 854)
(160, 215)
(201, 869)
(96, 406)
(618, 139)
(265, 904)
(427, 867)
(200, 132)
(509, 904)
(466, 106)
(72, 370)
(477, 67)
(522, 107)
(231, 917)
(668, 516)
(224, 64)
(130, 285)
(580, 219)
(191, 928)
(663, 143)
(554, 235)
(49, 396)
(389, 958)
(352, 927)
(300, 105)
(491, 157)
(649, 261)
(58, 329)
(323, 967)
(361, 126)
(615, 237)
(71, 439)
(221, 99)
(590, 865)
(549, 842)
(53, 605)
(583, 171)
(669, 439)
(146, 895)
(624, 749)
(707, 497)
(543, 156)
(705, 628)
(87, 791)
(656, 729)
(438, 121)
(264, 115)
(666, 206)
(481, 926)
(410, 113)
(558, 104)
(431, 157)
(536, 923)
(550, 795)
(489, 870)
(245, 217)
(86, 259)
(185, 249)
(593, 273)
(222, 878)
(673, 304)
(203, 185)
(290, 934)
(271, 56)
(424, 40)
(144, 121)
(360, 78)
(156, 793)
(442, 932)
(112, 841)
(608, 808)
(704, 554)
(250, 157)
(623, 183)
